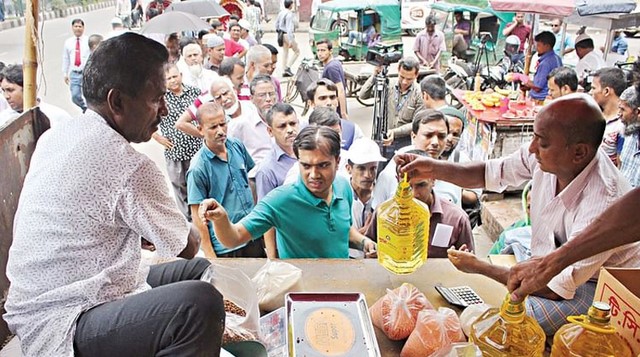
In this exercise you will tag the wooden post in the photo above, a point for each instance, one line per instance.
(30, 63)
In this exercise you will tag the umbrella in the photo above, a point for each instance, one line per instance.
(565, 7)
(200, 8)
(175, 21)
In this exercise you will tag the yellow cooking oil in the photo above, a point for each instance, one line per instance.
(591, 335)
(508, 332)
(403, 231)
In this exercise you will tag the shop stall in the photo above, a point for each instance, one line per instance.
(492, 132)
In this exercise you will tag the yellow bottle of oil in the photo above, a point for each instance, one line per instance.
(508, 332)
(591, 335)
(403, 231)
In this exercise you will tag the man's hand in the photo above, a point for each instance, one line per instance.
(414, 165)
(211, 210)
(146, 245)
(529, 276)
(66, 80)
(389, 139)
(164, 141)
(370, 248)
(463, 259)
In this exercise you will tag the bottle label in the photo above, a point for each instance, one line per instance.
(401, 244)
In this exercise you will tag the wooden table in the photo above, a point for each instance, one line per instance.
(368, 277)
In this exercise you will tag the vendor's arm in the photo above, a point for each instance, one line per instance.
(359, 241)
(470, 174)
(185, 124)
(467, 262)
(229, 234)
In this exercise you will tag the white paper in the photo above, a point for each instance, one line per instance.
(442, 235)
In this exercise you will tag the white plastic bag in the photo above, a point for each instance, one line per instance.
(273, 280)
(235, 286)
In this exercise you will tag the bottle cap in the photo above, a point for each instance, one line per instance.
(599, 312)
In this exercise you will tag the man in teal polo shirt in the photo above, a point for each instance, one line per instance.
(219, 170)
(312, 216)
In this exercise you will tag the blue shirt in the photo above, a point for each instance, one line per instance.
(272, 171)
(306, 226)
(619, 45)
(333, 71)
(630, 159)
(546, 63)
(227, 182)
(568, 43)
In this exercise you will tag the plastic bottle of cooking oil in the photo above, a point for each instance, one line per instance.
(508, 332)
(403, 231)
(590, 335)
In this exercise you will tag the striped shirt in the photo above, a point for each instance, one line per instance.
(630, 159)
(558, 218)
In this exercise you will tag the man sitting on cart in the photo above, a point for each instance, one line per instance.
(368, 36)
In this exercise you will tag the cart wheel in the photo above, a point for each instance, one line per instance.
(414, 32)
(292, 91)
(342, 25)
(367, 102)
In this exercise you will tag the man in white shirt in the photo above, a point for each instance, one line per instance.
(591, 59)
(74, 57)
(90, 202)
(196, 76)
(573, 183)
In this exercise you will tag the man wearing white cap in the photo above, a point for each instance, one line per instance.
(245, 27)
(117, 28)
(591, 59)
(362, 164)
(215, 52)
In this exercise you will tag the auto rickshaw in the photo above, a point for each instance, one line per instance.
(486, 29)
(375, 23)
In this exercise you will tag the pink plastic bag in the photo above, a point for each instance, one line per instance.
(396, 312)
(434, 331)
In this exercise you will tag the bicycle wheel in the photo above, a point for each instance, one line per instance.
(292, 91)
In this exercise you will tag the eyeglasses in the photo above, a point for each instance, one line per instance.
(265, 95)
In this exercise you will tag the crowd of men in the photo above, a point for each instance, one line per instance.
(252, 178)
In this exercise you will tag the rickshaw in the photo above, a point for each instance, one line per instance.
(486, 29)
(383, 15)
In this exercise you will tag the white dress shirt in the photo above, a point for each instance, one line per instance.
(69, 54)
(591, 62)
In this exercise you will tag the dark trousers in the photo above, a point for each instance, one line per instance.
(180, 316)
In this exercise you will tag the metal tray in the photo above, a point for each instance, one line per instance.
(329, 324)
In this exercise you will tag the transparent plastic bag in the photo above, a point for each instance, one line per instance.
(236, 287)
(434, 331)
(396, 312)
(273, 280)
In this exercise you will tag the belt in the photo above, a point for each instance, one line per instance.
(76, 70)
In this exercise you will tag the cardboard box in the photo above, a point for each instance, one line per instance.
(620, 288)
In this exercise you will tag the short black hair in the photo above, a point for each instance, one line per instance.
(105, 71)
(409, 64)
(260, 78)
(612, 77)
(77, 21)
(325, 41)
(564, 76)
(424, 116)
(231, 24)
(546, 37)
(284, 108)
(322, 82)
(13, 74)
(317, 137)
(324, 116)
(288, 3)
(434, 86)
(215, 23)
(272, 48)
(202, 34)
(228, 64)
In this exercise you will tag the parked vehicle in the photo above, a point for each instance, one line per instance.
(383, 15)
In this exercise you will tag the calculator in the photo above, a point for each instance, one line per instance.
(459, 295)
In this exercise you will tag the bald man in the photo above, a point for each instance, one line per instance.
(573, 183)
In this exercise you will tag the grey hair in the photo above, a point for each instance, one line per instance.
(630, 96)
(256, 52)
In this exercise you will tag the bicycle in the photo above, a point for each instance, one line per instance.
(307, 73)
